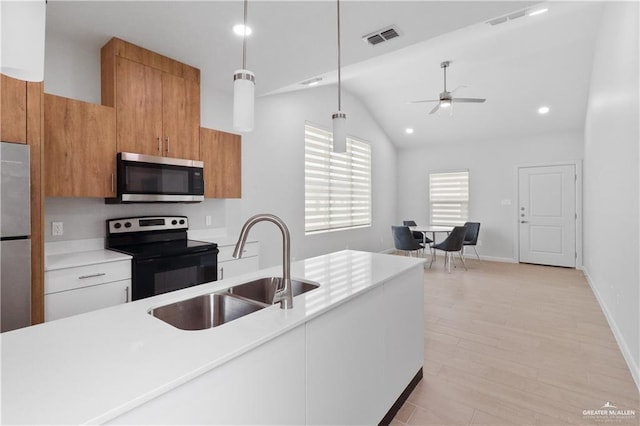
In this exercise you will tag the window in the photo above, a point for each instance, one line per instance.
(337, 186)
(449, 197)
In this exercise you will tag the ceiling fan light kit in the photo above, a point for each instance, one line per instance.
(244, 85)
(446, 100)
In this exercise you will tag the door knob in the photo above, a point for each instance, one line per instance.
(523, 221)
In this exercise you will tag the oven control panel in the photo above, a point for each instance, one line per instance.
(146, 223)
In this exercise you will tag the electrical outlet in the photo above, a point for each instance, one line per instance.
(57, 229)
(207, 220)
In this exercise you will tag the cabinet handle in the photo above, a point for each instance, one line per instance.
(84, 277)
(159, 144)
(222, 272)
(126, 293)
(112, 183)
(523, 221)
(168, 146)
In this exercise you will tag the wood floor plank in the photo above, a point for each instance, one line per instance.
(516, 344)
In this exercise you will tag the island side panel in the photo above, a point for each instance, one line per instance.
(403, 332)
(345, 353)
(263, 386)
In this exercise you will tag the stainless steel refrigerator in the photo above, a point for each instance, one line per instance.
(15, 242)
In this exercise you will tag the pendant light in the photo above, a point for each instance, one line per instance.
(22, 26)
(244, 86)
(339, 118)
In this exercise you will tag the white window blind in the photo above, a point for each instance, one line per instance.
(449, 198)
(337, 186)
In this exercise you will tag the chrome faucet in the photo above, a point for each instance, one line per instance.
(283, 292)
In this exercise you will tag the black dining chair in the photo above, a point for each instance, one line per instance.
(403, 239)
(419, 236)
(471, 236)
(453, 243)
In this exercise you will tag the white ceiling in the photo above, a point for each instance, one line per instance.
(517, 66)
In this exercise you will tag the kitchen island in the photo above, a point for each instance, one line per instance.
(344, 354)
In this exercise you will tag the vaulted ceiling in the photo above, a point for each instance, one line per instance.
(517, 65)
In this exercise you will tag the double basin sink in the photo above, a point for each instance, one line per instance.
(214, 309)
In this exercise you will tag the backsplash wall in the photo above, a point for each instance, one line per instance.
(84, 218)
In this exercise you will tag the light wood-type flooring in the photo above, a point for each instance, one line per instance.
(516, 344)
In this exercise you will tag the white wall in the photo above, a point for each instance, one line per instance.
(273, 174)
(272, 161)
(611, 219)
(492, 179)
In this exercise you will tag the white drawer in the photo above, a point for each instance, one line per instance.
(84, 276)
(226, 252)
(66, 303)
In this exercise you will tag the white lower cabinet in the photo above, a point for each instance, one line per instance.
(73, 291)
(263, 386)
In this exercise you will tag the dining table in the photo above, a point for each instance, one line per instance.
(431, 229)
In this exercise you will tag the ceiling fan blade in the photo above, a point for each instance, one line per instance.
(423, 101)
(433, 111)
(468, 100)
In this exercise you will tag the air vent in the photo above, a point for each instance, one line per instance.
(381, 36)
(510, 17)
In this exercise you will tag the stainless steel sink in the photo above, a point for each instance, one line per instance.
(206, 311)
(263, 289)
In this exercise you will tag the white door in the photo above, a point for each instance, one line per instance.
(547, 215)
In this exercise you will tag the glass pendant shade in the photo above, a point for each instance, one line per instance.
(243, 100)
(339, 131)
(23, 28)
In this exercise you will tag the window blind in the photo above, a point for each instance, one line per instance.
(449, 198)
(337, 185)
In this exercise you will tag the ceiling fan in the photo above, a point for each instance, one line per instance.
(445, 99)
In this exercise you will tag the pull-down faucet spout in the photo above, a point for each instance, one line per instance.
(283, 293)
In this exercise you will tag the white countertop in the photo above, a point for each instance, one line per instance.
(93, 367)
(82, 258)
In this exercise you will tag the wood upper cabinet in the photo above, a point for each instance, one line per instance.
(221, 153)
(13, 110)
(181, 116)
(157, 101)
(139, 108)
(80, 148)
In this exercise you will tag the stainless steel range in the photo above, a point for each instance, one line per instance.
(163, 258)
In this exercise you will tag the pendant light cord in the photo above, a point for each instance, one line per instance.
(244, 37)
(339, 75)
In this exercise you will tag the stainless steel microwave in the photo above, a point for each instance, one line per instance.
(150, 179)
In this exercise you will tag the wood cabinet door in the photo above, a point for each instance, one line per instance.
(221, 153)
(80, 148)
(13, 110)
(180, 117)
(138, 108)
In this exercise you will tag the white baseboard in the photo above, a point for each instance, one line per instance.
(494, 259)
(622, 344)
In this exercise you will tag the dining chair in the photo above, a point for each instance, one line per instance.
(419, 236)
(453, 243)
(403, 239)
(471, 236)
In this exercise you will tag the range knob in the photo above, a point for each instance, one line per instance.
(181, 221)
(118, 225)
(174, 222)
(127, 224)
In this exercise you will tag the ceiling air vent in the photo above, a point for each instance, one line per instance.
(510, 17)
(381, 36)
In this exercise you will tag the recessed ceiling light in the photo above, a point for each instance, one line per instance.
(408, 130)
(538, 12)
(543, 110)
(240, 29)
